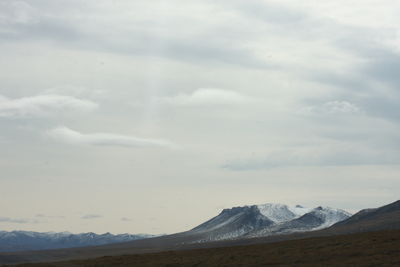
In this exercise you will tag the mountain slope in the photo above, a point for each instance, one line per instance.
(315, 219)
(25, 240)
(232, 223)
(264, 220)
(384, 218)
(280, 213)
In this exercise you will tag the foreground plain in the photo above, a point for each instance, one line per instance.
(363, 249)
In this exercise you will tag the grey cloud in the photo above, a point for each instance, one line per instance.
(16, 220)
(315, 157)
(372, 85)
(191, 49)
(125, 219)
(25, 21)
(335, 107)
(268, 12)
(371, 80)
(70, 136)
(91, 216)
(49, 216)
(42, 105)
(382, 70)
(139, 41)
(16, 12)
(384, 67)
(207, 97)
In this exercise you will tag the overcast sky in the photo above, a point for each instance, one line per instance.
(152, 116)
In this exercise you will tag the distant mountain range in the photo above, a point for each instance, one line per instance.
(265, 220)
(237, 226)
(25, 240)
(238, 222)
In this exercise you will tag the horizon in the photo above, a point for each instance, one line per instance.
(290, 206)
(151, 117)
(199, 223)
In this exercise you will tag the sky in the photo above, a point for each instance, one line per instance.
(153, 116)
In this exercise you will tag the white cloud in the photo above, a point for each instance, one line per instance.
(341, 107)
(91, 216)
(42, 105)
(323, 155)
(67, 135)
(208, 96)
(332, 107)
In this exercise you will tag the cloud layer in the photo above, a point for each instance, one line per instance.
(70, 136)
(91, 216)
(208, 97)
(42, 105)
(16, 220)
(318, 156)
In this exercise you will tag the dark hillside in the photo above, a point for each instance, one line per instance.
(365, 249)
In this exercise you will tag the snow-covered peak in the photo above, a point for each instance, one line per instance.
(279, 213)
(330, 215)
(299, 210)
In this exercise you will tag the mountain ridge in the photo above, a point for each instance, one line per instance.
(29, 240)
(264, 220)
(183, 241)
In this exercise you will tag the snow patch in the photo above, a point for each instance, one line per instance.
(279, 213)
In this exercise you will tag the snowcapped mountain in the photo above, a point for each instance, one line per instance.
(281, 213)
(264, 220)
(231, 223)
(315, 219)
(26, 240)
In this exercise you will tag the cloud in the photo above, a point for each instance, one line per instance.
(336, 107)
(124, 219)
(17, 13)
(16, 220)
(345, 155)
(70, 136)
(43, 21)
(49, 216)
(206, 97)
(42, 105)
(91, 216)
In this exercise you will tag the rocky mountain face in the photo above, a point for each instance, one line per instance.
(265, 220)
(232, 223)
(25, 240)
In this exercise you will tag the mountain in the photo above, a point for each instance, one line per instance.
(25, 240)
(315, 219)
(235, 223)
(265, 220)
(384, 218)
(232, 223)
(279, 213)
